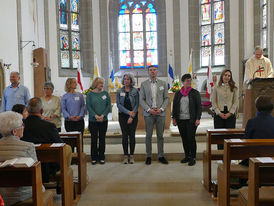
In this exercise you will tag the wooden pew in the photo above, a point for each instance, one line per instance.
(46, 153)
(259, 173)
(214, 137)
(27, 176)
(238, 150)
(74, 139)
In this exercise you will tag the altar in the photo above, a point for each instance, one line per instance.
(141, 121)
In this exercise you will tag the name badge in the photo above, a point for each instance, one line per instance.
(104, 97)
(76, 98)
(161, 88)
(122, 94)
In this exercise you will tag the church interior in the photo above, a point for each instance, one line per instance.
(53, 40)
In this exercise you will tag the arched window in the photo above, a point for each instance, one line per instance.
(69, 31)
(137, 28)
(263, 27)
(212, 32)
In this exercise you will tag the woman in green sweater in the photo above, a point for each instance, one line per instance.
(98, 105)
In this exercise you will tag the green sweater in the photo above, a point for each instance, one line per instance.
(98, 103)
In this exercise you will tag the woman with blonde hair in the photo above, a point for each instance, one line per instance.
(73, 107)
(98, 106)
(225, 102)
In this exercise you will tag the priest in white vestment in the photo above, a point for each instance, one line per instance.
(258, 66)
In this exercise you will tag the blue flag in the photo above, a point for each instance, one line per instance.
(170, 76)
(112, 75)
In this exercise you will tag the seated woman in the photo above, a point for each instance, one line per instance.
(21, 109)
(261, 126)
(11, 146)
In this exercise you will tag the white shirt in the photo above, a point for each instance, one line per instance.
(154, 93)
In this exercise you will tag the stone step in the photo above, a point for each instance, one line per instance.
(141, 137)
(173, 151)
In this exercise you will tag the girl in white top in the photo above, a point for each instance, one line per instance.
(225, 101)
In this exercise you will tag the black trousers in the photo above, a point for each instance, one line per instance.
(79, 126)
(128, 132)
(98, 130)
(187, 131)
(220, 123)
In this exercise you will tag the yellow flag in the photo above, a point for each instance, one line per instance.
(96, 67)
(190, 63)
(190, 66)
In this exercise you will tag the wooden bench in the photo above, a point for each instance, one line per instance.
(27, 176)
(239, 150)
(74, 139)
(259, 173)
(46, 153)
(214, 137)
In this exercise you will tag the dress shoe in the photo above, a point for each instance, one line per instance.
(185, 160)
(148, 161)
(191, 162)
(163, 160)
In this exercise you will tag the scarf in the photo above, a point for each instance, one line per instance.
(184, 91)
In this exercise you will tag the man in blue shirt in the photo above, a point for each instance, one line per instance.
(16, 93)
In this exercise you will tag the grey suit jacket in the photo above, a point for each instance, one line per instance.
(12, 147)
(162, 97)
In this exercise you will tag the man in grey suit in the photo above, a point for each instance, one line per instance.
(154, 99)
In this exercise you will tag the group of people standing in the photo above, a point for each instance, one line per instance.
(154, 99)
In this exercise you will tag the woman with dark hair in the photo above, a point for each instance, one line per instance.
(225, 102)
(186, 115)
(21, 109)
(261, 126)
(127, 100)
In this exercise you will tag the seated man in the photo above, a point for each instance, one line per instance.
(39, 131)
(11, 146)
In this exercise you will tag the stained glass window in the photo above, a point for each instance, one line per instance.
(69, 32)
(264, 24)
(138, 37)
(212, 23)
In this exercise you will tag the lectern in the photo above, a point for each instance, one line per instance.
(256, 88)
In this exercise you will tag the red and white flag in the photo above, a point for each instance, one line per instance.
(209, 83)
(80, 79)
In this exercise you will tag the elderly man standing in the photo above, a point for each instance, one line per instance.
(154, 99)
(258, 66)
(16, 93)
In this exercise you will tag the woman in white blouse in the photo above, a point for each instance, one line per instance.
(225, 102)
(51, 106)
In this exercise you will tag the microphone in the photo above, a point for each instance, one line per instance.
(261, 69)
